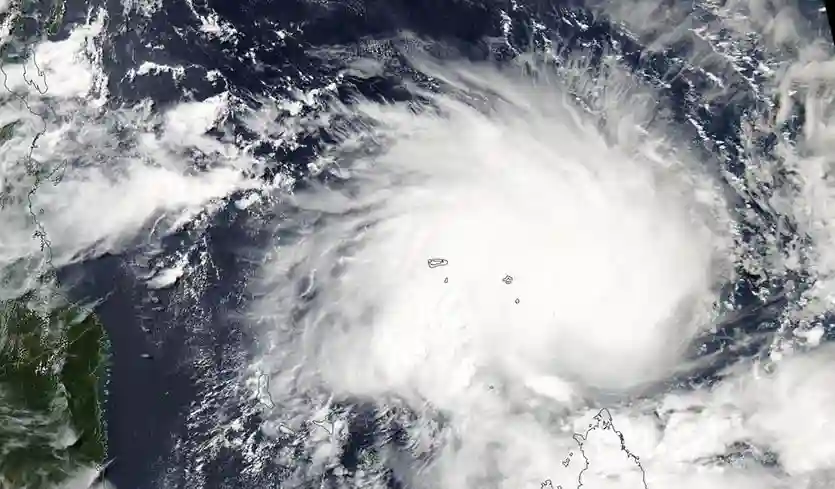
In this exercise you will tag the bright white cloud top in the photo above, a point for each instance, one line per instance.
(619, 237)
(619, 242)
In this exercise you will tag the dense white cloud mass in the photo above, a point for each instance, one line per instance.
(113, 188)
(617, 224)
(586, 251)
(617, 241)
(616, 244)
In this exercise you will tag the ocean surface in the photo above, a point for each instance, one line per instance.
(247, 110)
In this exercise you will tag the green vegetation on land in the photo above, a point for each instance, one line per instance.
(56, 17)
(51, 377)
(52, 360)
(7, 131)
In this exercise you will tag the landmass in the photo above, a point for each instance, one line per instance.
(52, 370)
(608, 463)
(53, 359)
(601, 442)
(265, 399)
(7, 131)
(601, 460)
(264, 391)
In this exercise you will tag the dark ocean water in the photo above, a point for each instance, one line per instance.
(153, 432)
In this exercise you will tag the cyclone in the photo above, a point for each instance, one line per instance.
(427, 244)
(618, 245)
